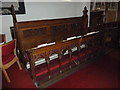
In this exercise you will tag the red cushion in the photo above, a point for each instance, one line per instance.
(82, 54)
(65, 59)
(54, 64)
(6, 59)
(41, 73)
(66, 62)
(55, 67)
(42, 68)
(8, 48)
(74, 58)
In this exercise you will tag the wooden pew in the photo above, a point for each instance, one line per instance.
(69, 53)
(93, 47)
(30, 34)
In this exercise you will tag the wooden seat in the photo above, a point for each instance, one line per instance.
(9, 57)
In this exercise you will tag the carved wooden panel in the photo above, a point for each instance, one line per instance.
(75, 29)
(59, 32)
(34, 32)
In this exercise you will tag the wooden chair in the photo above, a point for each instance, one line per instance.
(2, 38)
(8, 57)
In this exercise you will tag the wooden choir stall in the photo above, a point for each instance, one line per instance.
(53, 49)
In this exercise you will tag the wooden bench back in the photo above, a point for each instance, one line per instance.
(29, 34)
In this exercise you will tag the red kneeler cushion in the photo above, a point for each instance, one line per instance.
(54, 64)
(82, 54)
(41, 69)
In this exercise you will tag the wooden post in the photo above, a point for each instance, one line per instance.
(32, 65)
(85, 11)
(48, 65)
(60, 63)
(85, 16)
(13, 15)
(70, 56)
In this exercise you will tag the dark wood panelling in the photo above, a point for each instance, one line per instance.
(32, 33)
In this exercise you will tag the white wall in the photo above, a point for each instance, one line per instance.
(44, 10)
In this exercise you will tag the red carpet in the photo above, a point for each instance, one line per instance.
(19, 78)
(103, 73)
